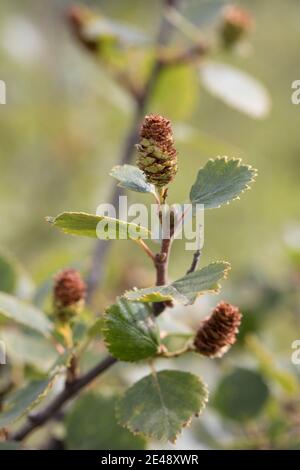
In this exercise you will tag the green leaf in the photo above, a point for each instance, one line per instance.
(22, 401)
(131, 177)
(96, 329)
(176, 341)
(221, 181)
(176, 93)
(92, 425)
(25, 314)
(8, 275)
(13, 277)
(160, 405)
(241, 395)
(130, 331)
(29, 348)
(236, 88)
(98, 27)
(186, 289)
(151, 294)
(87, 225)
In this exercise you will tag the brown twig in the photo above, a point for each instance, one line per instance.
(72, 370)
(96, 272)
(161, 264)
(195, 262)
(74, 386)
(193, 54)
(38, 419)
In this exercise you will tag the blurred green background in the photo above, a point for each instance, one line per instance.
(64, 123)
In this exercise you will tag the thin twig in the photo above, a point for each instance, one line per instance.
(195, 262)
(96, 272)
(161, 264)
(146, 249)
(72, 388)
(38, 419)
(72, 370)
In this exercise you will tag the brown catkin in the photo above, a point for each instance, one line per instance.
(157, 156)
(236, 22)
(69, 288)
(218, 332)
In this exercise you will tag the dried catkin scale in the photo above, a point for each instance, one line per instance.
(157, 156)
(218, 332)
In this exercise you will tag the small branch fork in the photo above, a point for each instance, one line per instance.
(71, 389)
(74, 384)
(142, 99)
(98, 260)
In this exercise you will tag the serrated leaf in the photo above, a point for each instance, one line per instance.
(186, 289)
(131, 177)
(20, 402)
(24, 347)
(130, 331)
(221, 181)
(25, 314)
(176, 341)
(241, 394)
(236, 88)
(92, 425)
(151, 294)
(161, 404)
(87, 225)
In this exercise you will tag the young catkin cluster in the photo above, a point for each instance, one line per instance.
(157, 156)
(218, 332)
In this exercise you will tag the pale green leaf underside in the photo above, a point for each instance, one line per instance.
(98, 28)
(160, 405)
(236, 88)
(221, 181)
(27, 347)
(131, 177)
(23, 400)
(24, 313)
(177, 341)
(186, 289)
(96, 226)
(130, 331)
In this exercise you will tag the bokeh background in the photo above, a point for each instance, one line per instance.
(63, 129)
